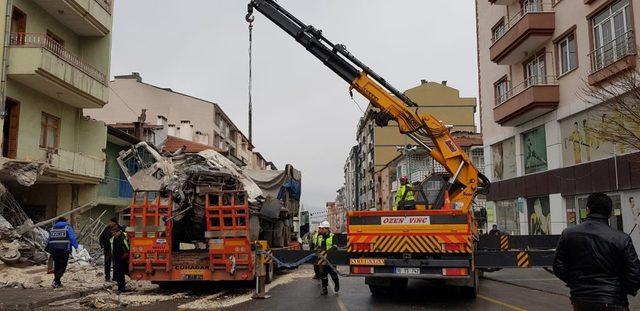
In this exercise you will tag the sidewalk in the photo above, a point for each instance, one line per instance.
(539, 279)
(28, 299)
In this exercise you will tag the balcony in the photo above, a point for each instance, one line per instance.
(617, 56)
(523, 34)
(46, 66)
(503, 2)
(528, 100)
(84, 17)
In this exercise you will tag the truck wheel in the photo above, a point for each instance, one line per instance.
(254, 228)
(269, 276)
(278, 235)
(379, 290)
(10, 255)
(399, 285)
(471, 292)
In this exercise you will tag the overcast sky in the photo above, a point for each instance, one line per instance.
(302, 111)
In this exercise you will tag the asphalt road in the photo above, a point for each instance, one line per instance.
(301, 293)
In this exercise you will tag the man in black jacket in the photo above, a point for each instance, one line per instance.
(105, 236)
(598, 264)
(120, 252)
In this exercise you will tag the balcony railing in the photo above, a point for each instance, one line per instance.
(522, 86)
(40, 40)
(613, 51)
(527, 7)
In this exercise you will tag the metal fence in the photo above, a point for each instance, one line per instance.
(613, 51)
(513, 90)
(41, 40)
(528, 6)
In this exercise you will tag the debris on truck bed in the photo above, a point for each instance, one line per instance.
(273, 196)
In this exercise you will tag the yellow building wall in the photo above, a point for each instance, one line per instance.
(441, 101)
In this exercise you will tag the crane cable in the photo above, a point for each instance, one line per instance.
(250, 21)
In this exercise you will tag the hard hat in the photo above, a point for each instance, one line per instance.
(404, 178)
(324, 224)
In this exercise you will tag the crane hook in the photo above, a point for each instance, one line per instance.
(249, 17)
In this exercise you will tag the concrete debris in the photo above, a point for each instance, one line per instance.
(15, 247)
(26, 174)
(186, 178)
(76, 277)
(63, 302)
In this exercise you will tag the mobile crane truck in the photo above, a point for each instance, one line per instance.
(438, 239)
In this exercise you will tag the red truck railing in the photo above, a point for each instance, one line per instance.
(149, 233)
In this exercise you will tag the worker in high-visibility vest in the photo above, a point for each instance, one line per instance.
(120, 255)
(404, 197)
(324, 242)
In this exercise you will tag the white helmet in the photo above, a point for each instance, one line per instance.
(324, 224)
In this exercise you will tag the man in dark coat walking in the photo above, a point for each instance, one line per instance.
(599, 264)
(105, 236)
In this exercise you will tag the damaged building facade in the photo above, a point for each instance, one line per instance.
(56, 64)
(185, 117)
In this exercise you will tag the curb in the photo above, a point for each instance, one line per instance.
(42, 303)
(524, 286)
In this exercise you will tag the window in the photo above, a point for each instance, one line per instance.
(50, 131)
(612, 35)
(535, 72)
(567, 53)
(501, 90)
(535, 150)
(498, 30)
(55, 38)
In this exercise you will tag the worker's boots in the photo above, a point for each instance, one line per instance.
(324, 291)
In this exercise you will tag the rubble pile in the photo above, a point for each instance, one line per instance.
(77, 276)
(108, 300)
(15, 247)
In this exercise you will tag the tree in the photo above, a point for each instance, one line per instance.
(616, 118)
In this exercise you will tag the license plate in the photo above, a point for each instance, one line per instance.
(193, 277)
(407, 270)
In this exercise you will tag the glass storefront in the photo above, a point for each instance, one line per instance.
(578, 207)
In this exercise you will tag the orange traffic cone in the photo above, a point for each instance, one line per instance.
(447, 201)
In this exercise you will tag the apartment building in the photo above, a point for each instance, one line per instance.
(186, 117)
(56, 60)
(380, 145)
(536, 60)
(351, 180)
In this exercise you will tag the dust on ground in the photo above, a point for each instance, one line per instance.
(230, 298)
(77, 277)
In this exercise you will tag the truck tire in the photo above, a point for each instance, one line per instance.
(270, 270)
(379, 290)
(395, 286)
(278, 234)
(254, 228)
(471, 292)
(286, 236)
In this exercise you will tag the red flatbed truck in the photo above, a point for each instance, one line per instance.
(227, 255)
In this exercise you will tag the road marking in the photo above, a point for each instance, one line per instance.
(341, 304)
(504, 304)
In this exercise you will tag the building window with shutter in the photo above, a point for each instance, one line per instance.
(50, 131)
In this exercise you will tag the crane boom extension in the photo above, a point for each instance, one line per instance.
(465, 180)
